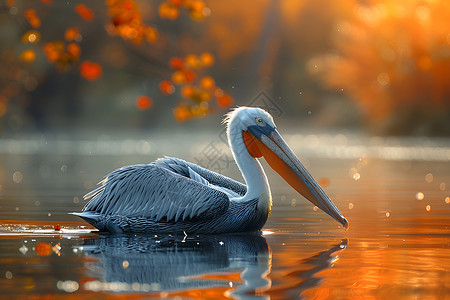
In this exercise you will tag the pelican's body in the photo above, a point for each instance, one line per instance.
(174, 196)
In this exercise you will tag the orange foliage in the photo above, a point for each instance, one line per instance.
(90, 70)
(182, 112)
(207, 83)
(166, 87)
(224, 101)
(188, 91)
(178, 77)
(73, 50)
(176, 2)
(84, 12)
(144, 102)
(54, 50)
(207, 59)
(72, 34)
(176, 63)
(170, 9)
(393, 62)
(28, 55)
(61, 55)
(197, 9)
(32, 18)
(199, 92)
(126, 21)
(189, 76)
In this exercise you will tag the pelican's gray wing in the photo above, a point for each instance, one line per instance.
(190, 170)
(154, 192)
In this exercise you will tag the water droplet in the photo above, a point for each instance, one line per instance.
(383, 78)
(420, 196)
(8, 275)
(315, 208)
(17, 177)
(350, 205)
(76, 200)
(442, 186)
(387, 215)
(68, 286)
(293, 202)
(428, 207)
(125, 264)
(23, 249)
(64, 168)
(447, 200)
(136, 286)
(356, 176)
(49, 214)
(429, 178)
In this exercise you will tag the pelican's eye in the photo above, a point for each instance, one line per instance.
(260, 121)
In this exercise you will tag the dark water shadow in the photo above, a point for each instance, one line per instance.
(238, 263)
(169, 263)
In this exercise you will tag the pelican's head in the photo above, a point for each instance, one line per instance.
(255, 128)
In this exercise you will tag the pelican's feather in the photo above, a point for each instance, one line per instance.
(194, 171)
(156, 192)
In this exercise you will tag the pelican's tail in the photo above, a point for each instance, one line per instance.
(95, 219)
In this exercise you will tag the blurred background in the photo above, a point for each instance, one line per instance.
(378, 67)
(359, 89)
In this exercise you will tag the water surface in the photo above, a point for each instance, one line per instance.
(397, 246)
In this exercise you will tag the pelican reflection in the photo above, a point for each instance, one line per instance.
(169, 263)
(237, 265)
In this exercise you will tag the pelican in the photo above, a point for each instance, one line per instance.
(171, 195)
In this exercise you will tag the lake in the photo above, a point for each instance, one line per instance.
(393, 191)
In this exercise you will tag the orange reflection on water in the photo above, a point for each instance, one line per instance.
(391, 262)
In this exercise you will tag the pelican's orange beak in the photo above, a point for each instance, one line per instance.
(268, 142)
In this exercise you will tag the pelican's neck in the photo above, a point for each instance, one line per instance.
(251, 169)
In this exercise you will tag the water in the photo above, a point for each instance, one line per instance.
(397, 246)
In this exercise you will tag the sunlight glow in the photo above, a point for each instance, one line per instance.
(420, 196)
